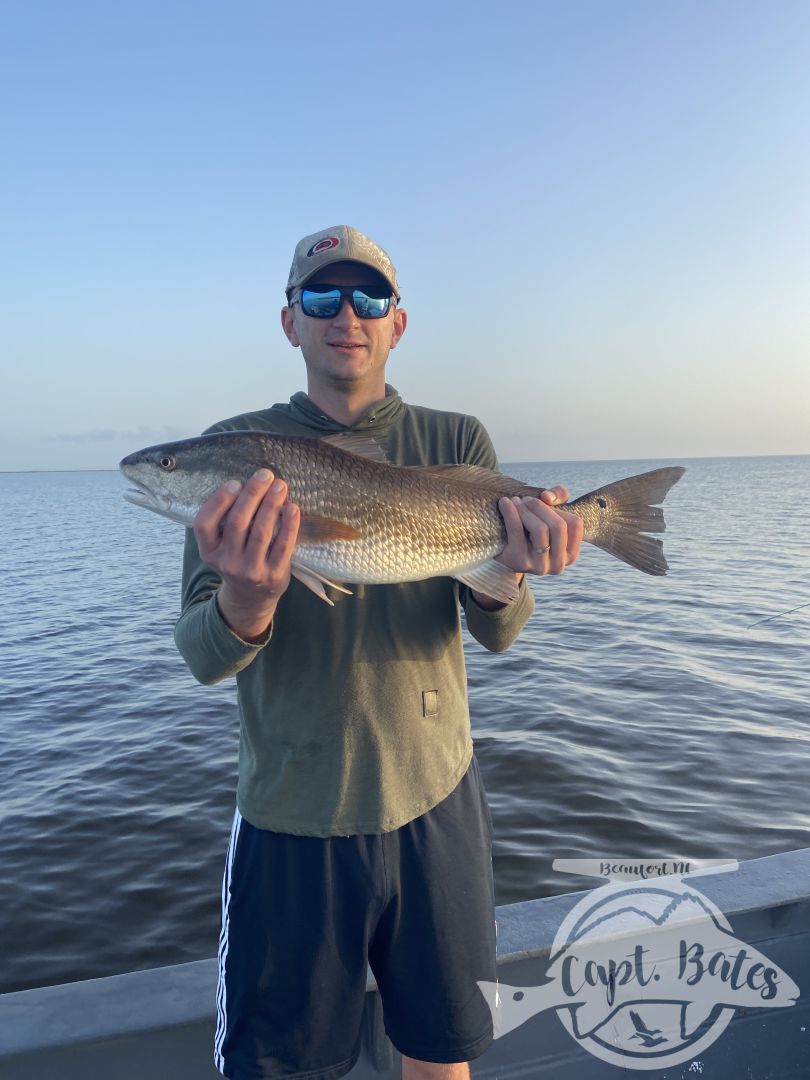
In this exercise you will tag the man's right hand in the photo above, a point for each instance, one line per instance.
(247, 535)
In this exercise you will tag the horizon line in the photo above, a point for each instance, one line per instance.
(508, 461)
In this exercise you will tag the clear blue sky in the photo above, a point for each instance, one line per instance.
(599, 211)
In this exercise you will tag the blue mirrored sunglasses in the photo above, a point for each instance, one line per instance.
(325, 301)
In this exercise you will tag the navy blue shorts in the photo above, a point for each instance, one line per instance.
(303, 916)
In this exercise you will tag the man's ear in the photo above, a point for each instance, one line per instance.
(288, 325)
(400, 321)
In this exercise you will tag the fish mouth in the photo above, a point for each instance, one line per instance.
(140, 495)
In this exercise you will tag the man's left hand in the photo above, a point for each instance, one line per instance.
(540, 540)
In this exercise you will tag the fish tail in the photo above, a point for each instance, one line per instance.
(618, 517)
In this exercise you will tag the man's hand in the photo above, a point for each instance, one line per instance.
(250, 549)
(540, 540)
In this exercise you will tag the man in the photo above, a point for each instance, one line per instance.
(362, 833)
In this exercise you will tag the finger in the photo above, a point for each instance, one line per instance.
(209, 518)
(281, 551)
(263, 527)
(514, 553)
(537, 530)
(547, 529)
(240, 516)
(517, 553)
(555, 496)
(538, 540)
(576, 530)
(515, 533)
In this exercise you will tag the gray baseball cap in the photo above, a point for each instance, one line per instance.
(341, 243)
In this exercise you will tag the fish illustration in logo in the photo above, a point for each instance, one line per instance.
(641, 973)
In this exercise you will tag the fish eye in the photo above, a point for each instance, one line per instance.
(167, 462)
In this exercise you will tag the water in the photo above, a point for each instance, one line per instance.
(635, 716)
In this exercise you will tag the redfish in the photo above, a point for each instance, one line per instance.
(365, 520)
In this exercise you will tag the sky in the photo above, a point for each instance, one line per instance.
(599, 213)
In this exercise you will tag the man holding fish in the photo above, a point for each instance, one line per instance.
(362, 832)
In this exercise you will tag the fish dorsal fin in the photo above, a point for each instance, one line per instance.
(480, 477)
(314, 529)
(357, 442)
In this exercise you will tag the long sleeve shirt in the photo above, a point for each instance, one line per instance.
(353, 718)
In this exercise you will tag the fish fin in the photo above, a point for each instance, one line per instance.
(317, 530)
(356, 442)
(492, 579)
(629, 512)
(480, 477)
(315, 581)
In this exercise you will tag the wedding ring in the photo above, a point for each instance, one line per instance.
(544, 550)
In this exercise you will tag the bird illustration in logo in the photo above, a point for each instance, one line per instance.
(643, 1033)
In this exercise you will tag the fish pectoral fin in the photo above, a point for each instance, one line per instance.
(318, 530)
(315, 581)
(492, 579)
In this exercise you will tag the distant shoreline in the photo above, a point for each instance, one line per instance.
(539, 461)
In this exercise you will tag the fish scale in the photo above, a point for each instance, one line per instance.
(411, 526)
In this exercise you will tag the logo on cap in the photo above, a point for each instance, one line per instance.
(325, 244)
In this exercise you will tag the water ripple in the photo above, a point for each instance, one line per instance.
(634, 716)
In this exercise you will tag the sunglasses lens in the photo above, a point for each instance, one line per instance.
(370, 307)
(321, 305)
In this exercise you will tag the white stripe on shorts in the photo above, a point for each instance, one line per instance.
(222, 1025)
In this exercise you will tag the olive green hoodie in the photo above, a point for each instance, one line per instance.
(354, 718)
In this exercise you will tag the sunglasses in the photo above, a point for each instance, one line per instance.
(325, 301)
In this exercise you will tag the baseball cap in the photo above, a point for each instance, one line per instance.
(341, 243)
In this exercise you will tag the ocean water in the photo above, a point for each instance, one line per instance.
(635, 716)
